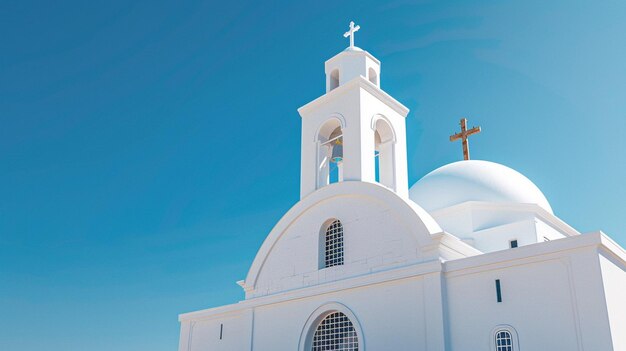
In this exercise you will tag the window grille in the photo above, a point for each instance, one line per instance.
(335, 332)
(334, 244)
(504, 341)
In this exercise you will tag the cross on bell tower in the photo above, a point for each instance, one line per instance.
(355, 132)
(464, 135)
(350, 33)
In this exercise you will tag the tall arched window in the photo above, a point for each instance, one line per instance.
(333, 244)
(335, 332)
(504, 340)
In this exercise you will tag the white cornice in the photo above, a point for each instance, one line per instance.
(455, 244)
(352, 53)
(539, 211)
(359, 82)
(554, 249)
(383, 276)
(611, 247)
(522, 254)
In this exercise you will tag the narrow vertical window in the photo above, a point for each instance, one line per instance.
(513, 243)
(504, 341)
(333, 248)
(498, 291)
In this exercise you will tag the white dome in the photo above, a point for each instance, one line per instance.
(475, 180)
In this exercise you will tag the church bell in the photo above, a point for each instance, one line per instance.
(337, 151)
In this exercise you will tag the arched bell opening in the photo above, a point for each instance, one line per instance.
(330, 153)
(384, 153)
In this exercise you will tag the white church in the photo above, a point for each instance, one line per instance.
(469, 258)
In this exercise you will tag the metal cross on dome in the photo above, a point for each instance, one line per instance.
(463, 135)
(350, 33)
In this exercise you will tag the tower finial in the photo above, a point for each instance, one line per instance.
(463, 135)
(350, 33)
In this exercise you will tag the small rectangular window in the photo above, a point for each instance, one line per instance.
(498, 291)
(513, 243)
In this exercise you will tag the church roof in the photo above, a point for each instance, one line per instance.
(475, 180)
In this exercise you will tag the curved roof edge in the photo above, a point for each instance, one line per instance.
(403, 206)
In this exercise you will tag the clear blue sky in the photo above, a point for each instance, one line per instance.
(147, 149)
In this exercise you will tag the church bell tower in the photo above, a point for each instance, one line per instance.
(356, 131)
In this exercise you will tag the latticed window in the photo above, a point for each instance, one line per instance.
(335, 332)
(334, 244)
(504, 341)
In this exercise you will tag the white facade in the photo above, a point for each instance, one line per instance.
(362, 263)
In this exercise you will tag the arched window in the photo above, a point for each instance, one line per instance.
(333, 244)
(373, 77)
(330, 153)
(384, 154)
(504, 340)
(334, 79)
(335, 332)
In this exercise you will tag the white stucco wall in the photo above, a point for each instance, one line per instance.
(536, 302)
(553, 301)
(400, 310)
(279, 327)
(498, 238)
(228, 332)
(614, 282)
